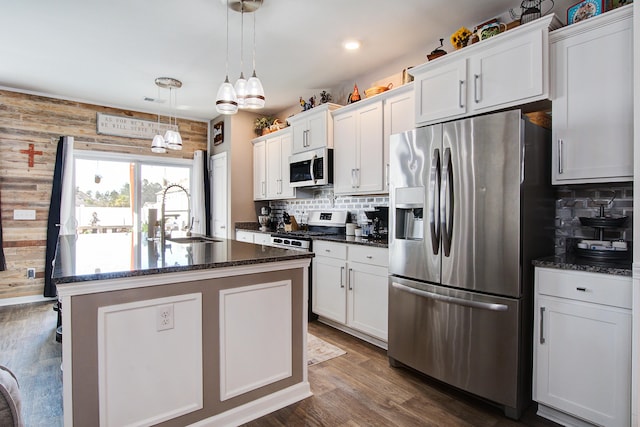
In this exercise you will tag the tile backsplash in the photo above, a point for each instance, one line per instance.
(325, 199)
(573, 202)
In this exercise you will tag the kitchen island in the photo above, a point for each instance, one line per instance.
(191, 331)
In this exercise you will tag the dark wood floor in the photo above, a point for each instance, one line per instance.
(357, 389)
(361, 389)
(29, 349)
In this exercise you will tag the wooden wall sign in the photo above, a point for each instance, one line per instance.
(107, 124)
(32, 153)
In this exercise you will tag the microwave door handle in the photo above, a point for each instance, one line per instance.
(434, 184)
(312, 168)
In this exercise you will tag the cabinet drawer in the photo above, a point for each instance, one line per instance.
(330, 249)
(589, 287)
(262, 238)
(369, 255)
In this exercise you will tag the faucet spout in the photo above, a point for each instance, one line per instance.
(163, 217)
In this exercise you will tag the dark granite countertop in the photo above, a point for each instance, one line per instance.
(115, 255)
(573, 262)
(354, 240)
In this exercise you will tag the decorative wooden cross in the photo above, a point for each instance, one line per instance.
(31, 152)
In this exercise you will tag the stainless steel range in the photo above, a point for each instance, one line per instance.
(320, 223)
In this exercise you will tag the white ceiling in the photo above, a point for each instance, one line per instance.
(110, 52)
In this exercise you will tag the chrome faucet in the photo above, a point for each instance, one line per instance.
(163, 218)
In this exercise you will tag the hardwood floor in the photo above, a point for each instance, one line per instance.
(361, 389)
(29, 349)
(357, 389)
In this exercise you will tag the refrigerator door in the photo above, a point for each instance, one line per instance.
(480, 203)
(463, 338)
(414, 182)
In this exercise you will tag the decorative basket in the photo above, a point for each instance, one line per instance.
(377, 89)
(277, 125)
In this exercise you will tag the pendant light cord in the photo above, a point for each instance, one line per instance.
(254, 43)
(242, 40)
(227, 60)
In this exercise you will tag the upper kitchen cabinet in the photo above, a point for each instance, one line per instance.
(271, 166)
(592, 93)
(313, 128)
(358, 150)
(504, 71)
(398, 116)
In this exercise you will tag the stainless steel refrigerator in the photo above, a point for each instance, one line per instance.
(470, 206)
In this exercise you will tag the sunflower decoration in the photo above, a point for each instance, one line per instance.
(460, 38)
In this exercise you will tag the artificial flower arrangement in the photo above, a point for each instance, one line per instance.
(460, 38)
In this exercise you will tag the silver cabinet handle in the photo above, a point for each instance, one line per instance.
(560, 159)
(451, 300)
(460, 93)
(349, 279)
(542, 309)
(264, 188)
(581, 289)
(357, 178)
(369, 257)
(386, 171)
(341, 277)
(475, 87)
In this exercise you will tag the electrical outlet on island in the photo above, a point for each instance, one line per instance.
(164, 317)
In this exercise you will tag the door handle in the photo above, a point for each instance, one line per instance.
(460, 86)
(451, 300)
(446, 209)
(560, 159)
(434, 184)
(476, 77)
(542, 340)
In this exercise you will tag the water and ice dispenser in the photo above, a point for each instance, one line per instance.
(409, 212)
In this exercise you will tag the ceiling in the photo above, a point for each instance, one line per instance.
(110, 52)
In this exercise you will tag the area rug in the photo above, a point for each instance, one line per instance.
(319, 350)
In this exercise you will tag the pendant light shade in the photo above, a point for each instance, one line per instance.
(158, 144)
(173, 140)
(255, 93)
(227, 100)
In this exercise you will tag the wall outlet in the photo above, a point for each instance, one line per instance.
(164, 317)
(31, 273)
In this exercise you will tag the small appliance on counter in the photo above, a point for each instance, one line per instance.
(378, 220)
(599, 248)
(264, 219)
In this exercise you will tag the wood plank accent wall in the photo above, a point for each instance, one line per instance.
(29, 119)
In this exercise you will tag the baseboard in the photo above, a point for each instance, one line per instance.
(24, 300)
(364, 337)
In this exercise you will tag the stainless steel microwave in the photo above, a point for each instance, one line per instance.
(311, 168)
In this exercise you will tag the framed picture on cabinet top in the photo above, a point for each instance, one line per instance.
(584, 10)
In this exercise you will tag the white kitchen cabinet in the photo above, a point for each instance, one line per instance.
(253, 237)
(278, 149)
(506, 70)
(271, 166)
(591, 66)
(359, 148)
(313, 128)
(260, 170)
(349, 288)
(398, 116)
(582, 347)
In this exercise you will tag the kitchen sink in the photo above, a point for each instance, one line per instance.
(193, 239)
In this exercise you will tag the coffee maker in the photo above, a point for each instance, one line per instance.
(379, 219)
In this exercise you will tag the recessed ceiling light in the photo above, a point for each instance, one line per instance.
(352, 45)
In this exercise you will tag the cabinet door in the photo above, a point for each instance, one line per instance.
(244, 236)
(299, 136)
(344, 152)
(286, 145)
(262, 239)
(368, 299)
(329, 288)
(273, 162)
(583, 359)
(399, 116)
(592, 107)
(317, 134)
(369, 150)
(259, 171)
(441, 92)
(509, 73)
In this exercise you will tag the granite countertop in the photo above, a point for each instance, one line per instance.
(354, 240)
(573, 262)
(114, 255)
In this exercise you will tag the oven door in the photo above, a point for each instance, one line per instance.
(311, 168)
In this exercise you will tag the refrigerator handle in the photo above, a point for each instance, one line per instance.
(434, 184)
(446, 209)
(450, 299)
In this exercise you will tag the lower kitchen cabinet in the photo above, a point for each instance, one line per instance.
(350, 288)
(253, 237)
(582, 347)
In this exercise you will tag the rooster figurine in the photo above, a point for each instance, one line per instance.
(354, 96)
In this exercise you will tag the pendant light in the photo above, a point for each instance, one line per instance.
(255, 92)
(241, 84)
(227, 101)
(173, 137)
(158, 145)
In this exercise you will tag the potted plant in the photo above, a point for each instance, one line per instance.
(262, 124)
